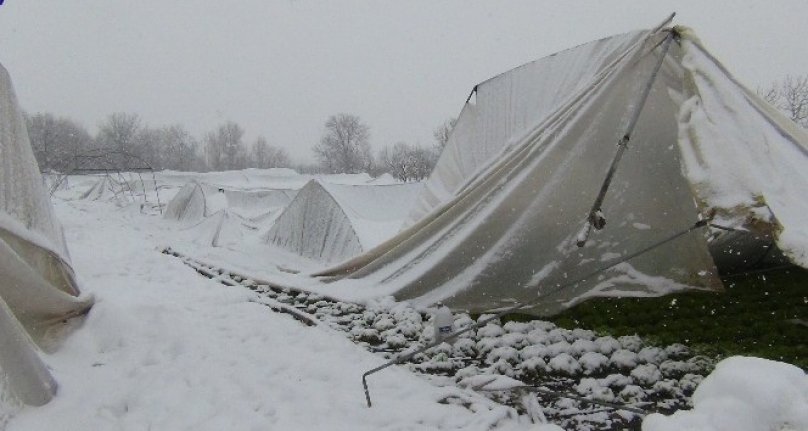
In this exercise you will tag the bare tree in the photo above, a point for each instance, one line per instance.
(422, 160)
(119, 132)
(224, 147)
(213, 152)
(344, 148)
(264, 155)
(56, 141)
(407, 162)
(150, 147)
(442, 133)
(178, 148)
(790, 96)
(308, 168)
(394, 161)
(278, 158)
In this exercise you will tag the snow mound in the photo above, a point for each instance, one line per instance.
(743, 394)
(384, 179)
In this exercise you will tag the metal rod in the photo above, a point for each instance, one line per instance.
(595, 219)
(473, 90)
(156, 191)
(541, 390)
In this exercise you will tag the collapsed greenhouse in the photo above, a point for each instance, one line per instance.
(635, 165)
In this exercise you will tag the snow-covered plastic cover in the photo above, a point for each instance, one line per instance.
(38, 282)
(334, 222)
(195, 201)
(188, 205)
(37, 285)
(744, 159)
(498, 220)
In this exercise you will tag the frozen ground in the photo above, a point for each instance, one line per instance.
(165, 348)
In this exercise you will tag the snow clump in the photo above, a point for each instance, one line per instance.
(743, 394)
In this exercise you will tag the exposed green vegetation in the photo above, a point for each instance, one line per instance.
(761, 315)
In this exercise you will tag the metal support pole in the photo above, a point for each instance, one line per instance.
(595, 219)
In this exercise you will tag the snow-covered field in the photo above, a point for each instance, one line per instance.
(166, 348)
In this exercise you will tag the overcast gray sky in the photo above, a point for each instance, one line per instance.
(281, 67)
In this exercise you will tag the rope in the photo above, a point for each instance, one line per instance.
(699, 224)
(758, 271)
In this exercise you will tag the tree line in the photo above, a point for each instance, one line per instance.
(59, 143)
(343, 148)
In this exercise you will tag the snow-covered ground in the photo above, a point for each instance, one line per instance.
(165, 348)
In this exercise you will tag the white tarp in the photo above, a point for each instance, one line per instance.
(220, 229)
(257, 204)
(499, 217)
(37, 285)
(219, 217)
(333, 222)
(745, 159)
(189, 204)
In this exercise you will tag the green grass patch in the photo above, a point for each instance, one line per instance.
(758, 315)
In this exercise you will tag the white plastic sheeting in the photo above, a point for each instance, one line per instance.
(37, 285)
(498, 219)
(257, 204)
(107, 188)
(223, 228)
(219, 217)
(188, 205)
(254, 179)
(333, 222)
(196, 200)
(508, 106)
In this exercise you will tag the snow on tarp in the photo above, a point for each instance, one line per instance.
(108, 189)
(196, 201)
(254, 179)
(257, 204)
(37, 284)
(744, 158)
(384, 179)
(499, 217)
(333, 222)
(221, 229)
